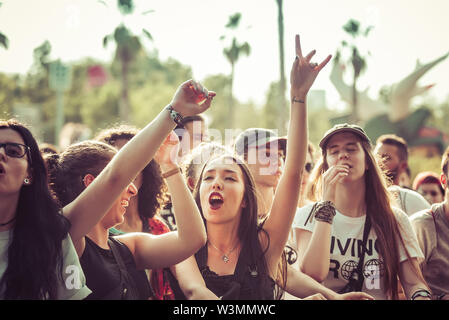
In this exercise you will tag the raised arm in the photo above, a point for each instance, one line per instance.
(93, 203)
(168, 249)
(314, 247)
(279, 222)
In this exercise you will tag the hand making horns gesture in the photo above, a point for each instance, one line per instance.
(304, 72)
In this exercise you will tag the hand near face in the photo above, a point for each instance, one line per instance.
(331, 178)
(167, 154)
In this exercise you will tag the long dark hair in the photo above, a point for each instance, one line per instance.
(35, 252)
(378, 202)
(249, 227)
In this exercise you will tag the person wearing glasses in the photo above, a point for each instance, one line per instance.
(94, 184)
(429, 186)
(37, 256)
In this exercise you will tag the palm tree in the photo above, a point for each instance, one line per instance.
(356, 60)
(128, 46)
(3, 39)
(282, 82)
(232, 54)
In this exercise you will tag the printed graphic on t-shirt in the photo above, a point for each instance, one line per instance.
(349, 251)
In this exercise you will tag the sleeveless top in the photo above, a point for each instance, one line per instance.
(103, 273)
(245, 284)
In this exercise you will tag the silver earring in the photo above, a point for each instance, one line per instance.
(26, 181)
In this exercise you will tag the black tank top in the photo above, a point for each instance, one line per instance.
(245, 284)
(103, 273)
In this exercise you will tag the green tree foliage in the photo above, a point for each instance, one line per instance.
(271, 107)
(128, 47)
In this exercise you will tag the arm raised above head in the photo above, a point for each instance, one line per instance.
(93, 203)
(278, 224)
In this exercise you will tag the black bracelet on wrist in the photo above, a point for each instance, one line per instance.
(297, 100)
(175, 115)
(324, 211)
(421, 293)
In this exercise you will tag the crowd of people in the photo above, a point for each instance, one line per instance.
(161, 213)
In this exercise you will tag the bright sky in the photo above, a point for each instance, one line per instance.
(189, 31)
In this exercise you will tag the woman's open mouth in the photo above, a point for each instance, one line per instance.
(215, 200)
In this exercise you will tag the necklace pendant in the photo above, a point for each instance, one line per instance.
(225, 258)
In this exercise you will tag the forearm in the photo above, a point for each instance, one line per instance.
(93, 203)
(199, 293)
(139, 151)
(316, 259)
(297, 136)
(411, 277)
(190, 226)
(301, 285)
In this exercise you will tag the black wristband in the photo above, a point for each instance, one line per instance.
(297, 100)
(324, 211)
(175, 115)
(421, 293)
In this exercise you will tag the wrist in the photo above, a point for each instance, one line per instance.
(298, 95)
(324, 211)
(171, 172)
(421, 294)
(168, 166)
(174, 114)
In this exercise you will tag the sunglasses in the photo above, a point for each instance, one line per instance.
(433, 193)
(309, 167)
(15, 150)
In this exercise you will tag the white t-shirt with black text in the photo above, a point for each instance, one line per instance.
(345, 249)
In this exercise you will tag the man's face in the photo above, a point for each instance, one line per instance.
(266, 164)
(197, 133)
(389, 158)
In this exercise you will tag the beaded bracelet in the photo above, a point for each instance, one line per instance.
(421, 293)
(324, 211)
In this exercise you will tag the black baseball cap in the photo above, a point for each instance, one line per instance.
(257, 137)
(344, 127)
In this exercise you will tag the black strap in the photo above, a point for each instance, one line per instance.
(129, 288)
(366, 231)
(356, 278)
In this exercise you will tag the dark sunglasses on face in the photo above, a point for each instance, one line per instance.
(309, 167)
(15, 150)
(433, 193)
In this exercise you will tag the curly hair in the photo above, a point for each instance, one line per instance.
(152, 193)
(67, 169)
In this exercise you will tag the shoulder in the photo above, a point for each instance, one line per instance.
(424, 219)
(410, 200)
